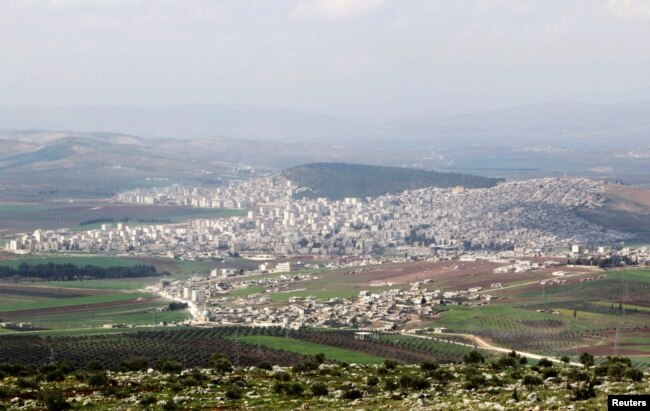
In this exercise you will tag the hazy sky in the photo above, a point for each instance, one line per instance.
(368, 58)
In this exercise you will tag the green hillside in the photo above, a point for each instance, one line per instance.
(339, 180)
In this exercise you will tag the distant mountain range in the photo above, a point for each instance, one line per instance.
(566, 124)
(108, 149)
(339, 180)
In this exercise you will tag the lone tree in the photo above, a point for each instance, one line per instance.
(587, 359)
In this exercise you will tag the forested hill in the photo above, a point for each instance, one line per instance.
(339, 180)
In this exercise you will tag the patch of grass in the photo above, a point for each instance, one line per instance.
(309, 348)
(635, 275)
(244, 292)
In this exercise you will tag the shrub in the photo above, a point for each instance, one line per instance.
(429, 366)
(24, 383)
(319, 389)
(305, 366)
(168, 366)
(473, 379)
(634, 374)
(473, 357)
(600, 370)
(372, 380)
(282, 376)
(265, 366)
(319, 358)
(565, 359)
(532, 380)
(587, 359)
(625, 361)
(98, 379)
(147, 400)
(420, 383)
(578, 376)
(442, 376)
(616, 370)
(94, 366)
(549, 373)
(545, 362)
(233, 392)
(278, 387)
(221, 363)
(53, 400)
(56, 375)
(294, 389)
(390, 364)
(405, 382)
(583, 391)
(390, 385)
(352, 394)
(133, 364)
(506, 362)
(169, 405)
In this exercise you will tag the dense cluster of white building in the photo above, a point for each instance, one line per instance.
(387, 310)
(531, 214)
(238, 195)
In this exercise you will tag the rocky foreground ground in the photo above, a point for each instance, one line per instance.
(508, 383)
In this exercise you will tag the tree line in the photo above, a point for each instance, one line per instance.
(70, 272)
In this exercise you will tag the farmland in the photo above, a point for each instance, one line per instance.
(93, 303)
(308, 348)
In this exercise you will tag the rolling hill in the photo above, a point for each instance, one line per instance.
(339, 180)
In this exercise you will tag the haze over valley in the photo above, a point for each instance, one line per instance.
(324, 204)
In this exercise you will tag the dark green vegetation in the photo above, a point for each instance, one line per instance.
(70, 272)
(189, 347)
(87, 215)
(315, 382)
(339, 180)
(248, 346)
(178, 267)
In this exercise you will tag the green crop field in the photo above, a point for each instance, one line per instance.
(76, 301)
(128, 284)
(26, 207)
(136, 314)
(243, 292)
(309, 348)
